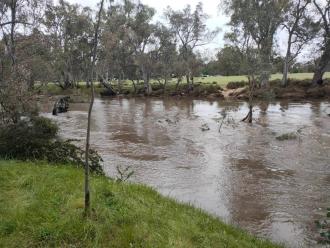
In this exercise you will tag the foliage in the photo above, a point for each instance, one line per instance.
(287, 136)
(15, 99)
(53, 42)
(236, 85)
(42, 206)
(189, 27)
(35, 139)
(65, 152)
(124, 173)
(324, 228)
(257, 21)
(70, 30)
(323, 13)
(229, 61)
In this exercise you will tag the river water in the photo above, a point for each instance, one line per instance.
(243, 174)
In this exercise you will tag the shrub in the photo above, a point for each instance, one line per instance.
(236, 85)
(212, 88)
(299, 83)
(157, 86)
(64, 152)
(275, 82)
(35, 139)
(324, 229)
(27, 138)
(287, 136)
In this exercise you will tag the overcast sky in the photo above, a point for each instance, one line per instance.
(217, 18)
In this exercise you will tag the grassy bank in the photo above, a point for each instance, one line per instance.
(224, 80)
(204, 86)
(42, 205)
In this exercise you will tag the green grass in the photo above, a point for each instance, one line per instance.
(42, 206)
(287, 136)
(224, 80)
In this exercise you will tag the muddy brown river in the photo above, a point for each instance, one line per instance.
(243, 174)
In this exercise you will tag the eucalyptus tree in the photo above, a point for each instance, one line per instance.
(141, 38)
(18, 18)
(70, 31)
(165, 55)
(12, 14)
(116, 52)
(323, 11)
(191, 32)
(260, 20)
(19, 36)
(228, 62)
(300, 28)
(250, 62)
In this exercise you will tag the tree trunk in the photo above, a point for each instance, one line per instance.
(249, 116)
(264, 78)
(322, 64)
(134, 86)
(177, 83)
(87, 190)
(265, 52)
(164, 87)
(190, 83)
(147, 87)
(286, 63)
(317, 77)
(120, 80)
(13, 8)
(285, 73)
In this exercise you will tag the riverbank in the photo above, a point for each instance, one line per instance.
(297, 89)
(42, 205)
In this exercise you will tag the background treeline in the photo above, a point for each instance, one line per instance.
(50, 42)
(228, 64)
(53, 42)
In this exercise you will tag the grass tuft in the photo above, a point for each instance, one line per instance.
(287, 136)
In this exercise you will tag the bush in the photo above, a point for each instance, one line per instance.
(324, 229)
(236, 85)
(300, 83)
(275, 82)
(287, 136)
(157, 86)
(27, 138)
(35, 139)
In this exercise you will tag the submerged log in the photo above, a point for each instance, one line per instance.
(61, 105)
(109, 91)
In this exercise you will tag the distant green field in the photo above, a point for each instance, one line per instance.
(224, 80)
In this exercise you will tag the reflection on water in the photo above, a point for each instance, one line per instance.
(272, 188)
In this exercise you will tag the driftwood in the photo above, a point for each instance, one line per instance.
(61, 105)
